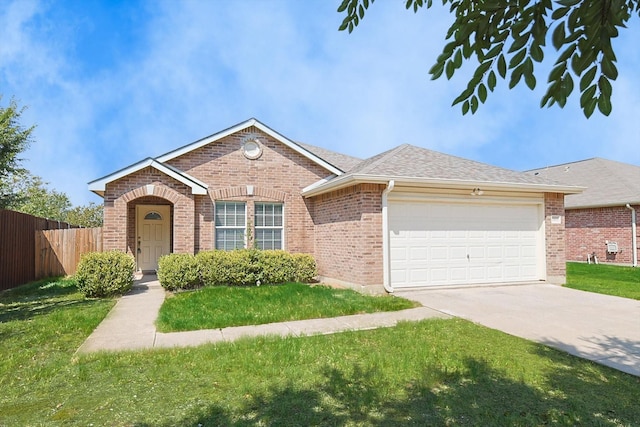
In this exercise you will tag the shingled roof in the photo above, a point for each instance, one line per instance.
(410, 164)
(607, 182)
(339, 160)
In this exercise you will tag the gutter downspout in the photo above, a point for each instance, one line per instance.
(634, 235)
(386, 265)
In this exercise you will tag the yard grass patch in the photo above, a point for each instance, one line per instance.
(434, 372)
(604, 279)
(220, 307)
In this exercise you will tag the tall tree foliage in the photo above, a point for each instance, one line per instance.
(507, 38)
(14, 139)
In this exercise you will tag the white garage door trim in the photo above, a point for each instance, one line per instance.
(442, 241)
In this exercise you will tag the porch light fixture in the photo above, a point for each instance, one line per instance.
(477, 192)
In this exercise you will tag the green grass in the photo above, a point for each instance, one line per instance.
(604, 279)
(435, 372)
(220, 307)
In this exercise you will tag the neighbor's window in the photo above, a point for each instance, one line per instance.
(230, 225)
(268, 223)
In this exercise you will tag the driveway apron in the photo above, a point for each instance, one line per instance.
(600, 328)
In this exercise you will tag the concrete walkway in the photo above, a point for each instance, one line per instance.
(130, 325)
(597, 327)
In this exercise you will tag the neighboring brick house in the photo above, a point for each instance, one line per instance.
(406, 218)
(601, 220)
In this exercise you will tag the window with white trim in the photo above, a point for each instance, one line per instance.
(231, 222)
(268, 223)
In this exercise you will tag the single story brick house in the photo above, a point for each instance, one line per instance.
(600, 221)
(406, 218)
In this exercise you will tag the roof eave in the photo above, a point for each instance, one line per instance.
(99, 186)
(350, 180)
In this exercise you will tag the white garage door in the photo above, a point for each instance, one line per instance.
(435, 243)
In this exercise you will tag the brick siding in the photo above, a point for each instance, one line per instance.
(589, 229)
(555, 238)
(353, 216)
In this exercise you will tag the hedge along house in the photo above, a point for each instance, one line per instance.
(406, 218)
(600, 221)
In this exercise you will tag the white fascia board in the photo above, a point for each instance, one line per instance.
(246, 124)
(350, 180)
(197, 187)
(317, 183)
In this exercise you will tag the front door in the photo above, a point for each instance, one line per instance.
(152, 235)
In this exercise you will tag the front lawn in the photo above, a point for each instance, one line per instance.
(435, 372)
(220, 307)
(604, 279)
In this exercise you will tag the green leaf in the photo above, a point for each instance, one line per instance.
(491, 81)
(530, 80)
(558, 36)
(482, 93)
(518, 43)
(474, 104)
(604, 104)
(457, 59)
(465, 107)
(605, 87)
(589, 107)
(608, 68)
(464, 95)
(502, 66)
(536, 53)
(494, 51)
(517, 58)
(587, 95)
(515, 76)
(436, 71)
(587, 78)
(559, 13)
(449, 70)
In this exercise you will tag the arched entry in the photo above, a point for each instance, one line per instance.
(153, 235)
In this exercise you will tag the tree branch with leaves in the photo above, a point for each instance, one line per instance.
(507, 38)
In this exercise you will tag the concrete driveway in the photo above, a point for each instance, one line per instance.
(597, 327)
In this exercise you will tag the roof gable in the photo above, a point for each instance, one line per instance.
(607, 182)
(197, 187)
(262, 127)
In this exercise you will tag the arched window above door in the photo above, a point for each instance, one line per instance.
(153, 216)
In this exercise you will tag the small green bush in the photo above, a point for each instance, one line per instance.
(244, 267)
(277, 267)
(178, 271)
(305, 268)
(233, 268)
(105, 274)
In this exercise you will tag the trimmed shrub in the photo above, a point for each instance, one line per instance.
(244, 267)
(305, 268)
(105, 274)
(178, 271)
(277, 267)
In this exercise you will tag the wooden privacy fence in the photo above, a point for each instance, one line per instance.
(18, 248)
(58, 251)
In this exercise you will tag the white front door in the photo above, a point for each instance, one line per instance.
(152, 235)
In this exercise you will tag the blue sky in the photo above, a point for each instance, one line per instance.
(109, 83)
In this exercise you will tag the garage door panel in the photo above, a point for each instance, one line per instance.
(449, 243)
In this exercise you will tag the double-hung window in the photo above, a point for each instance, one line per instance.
(231, 222)
(268, 223)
